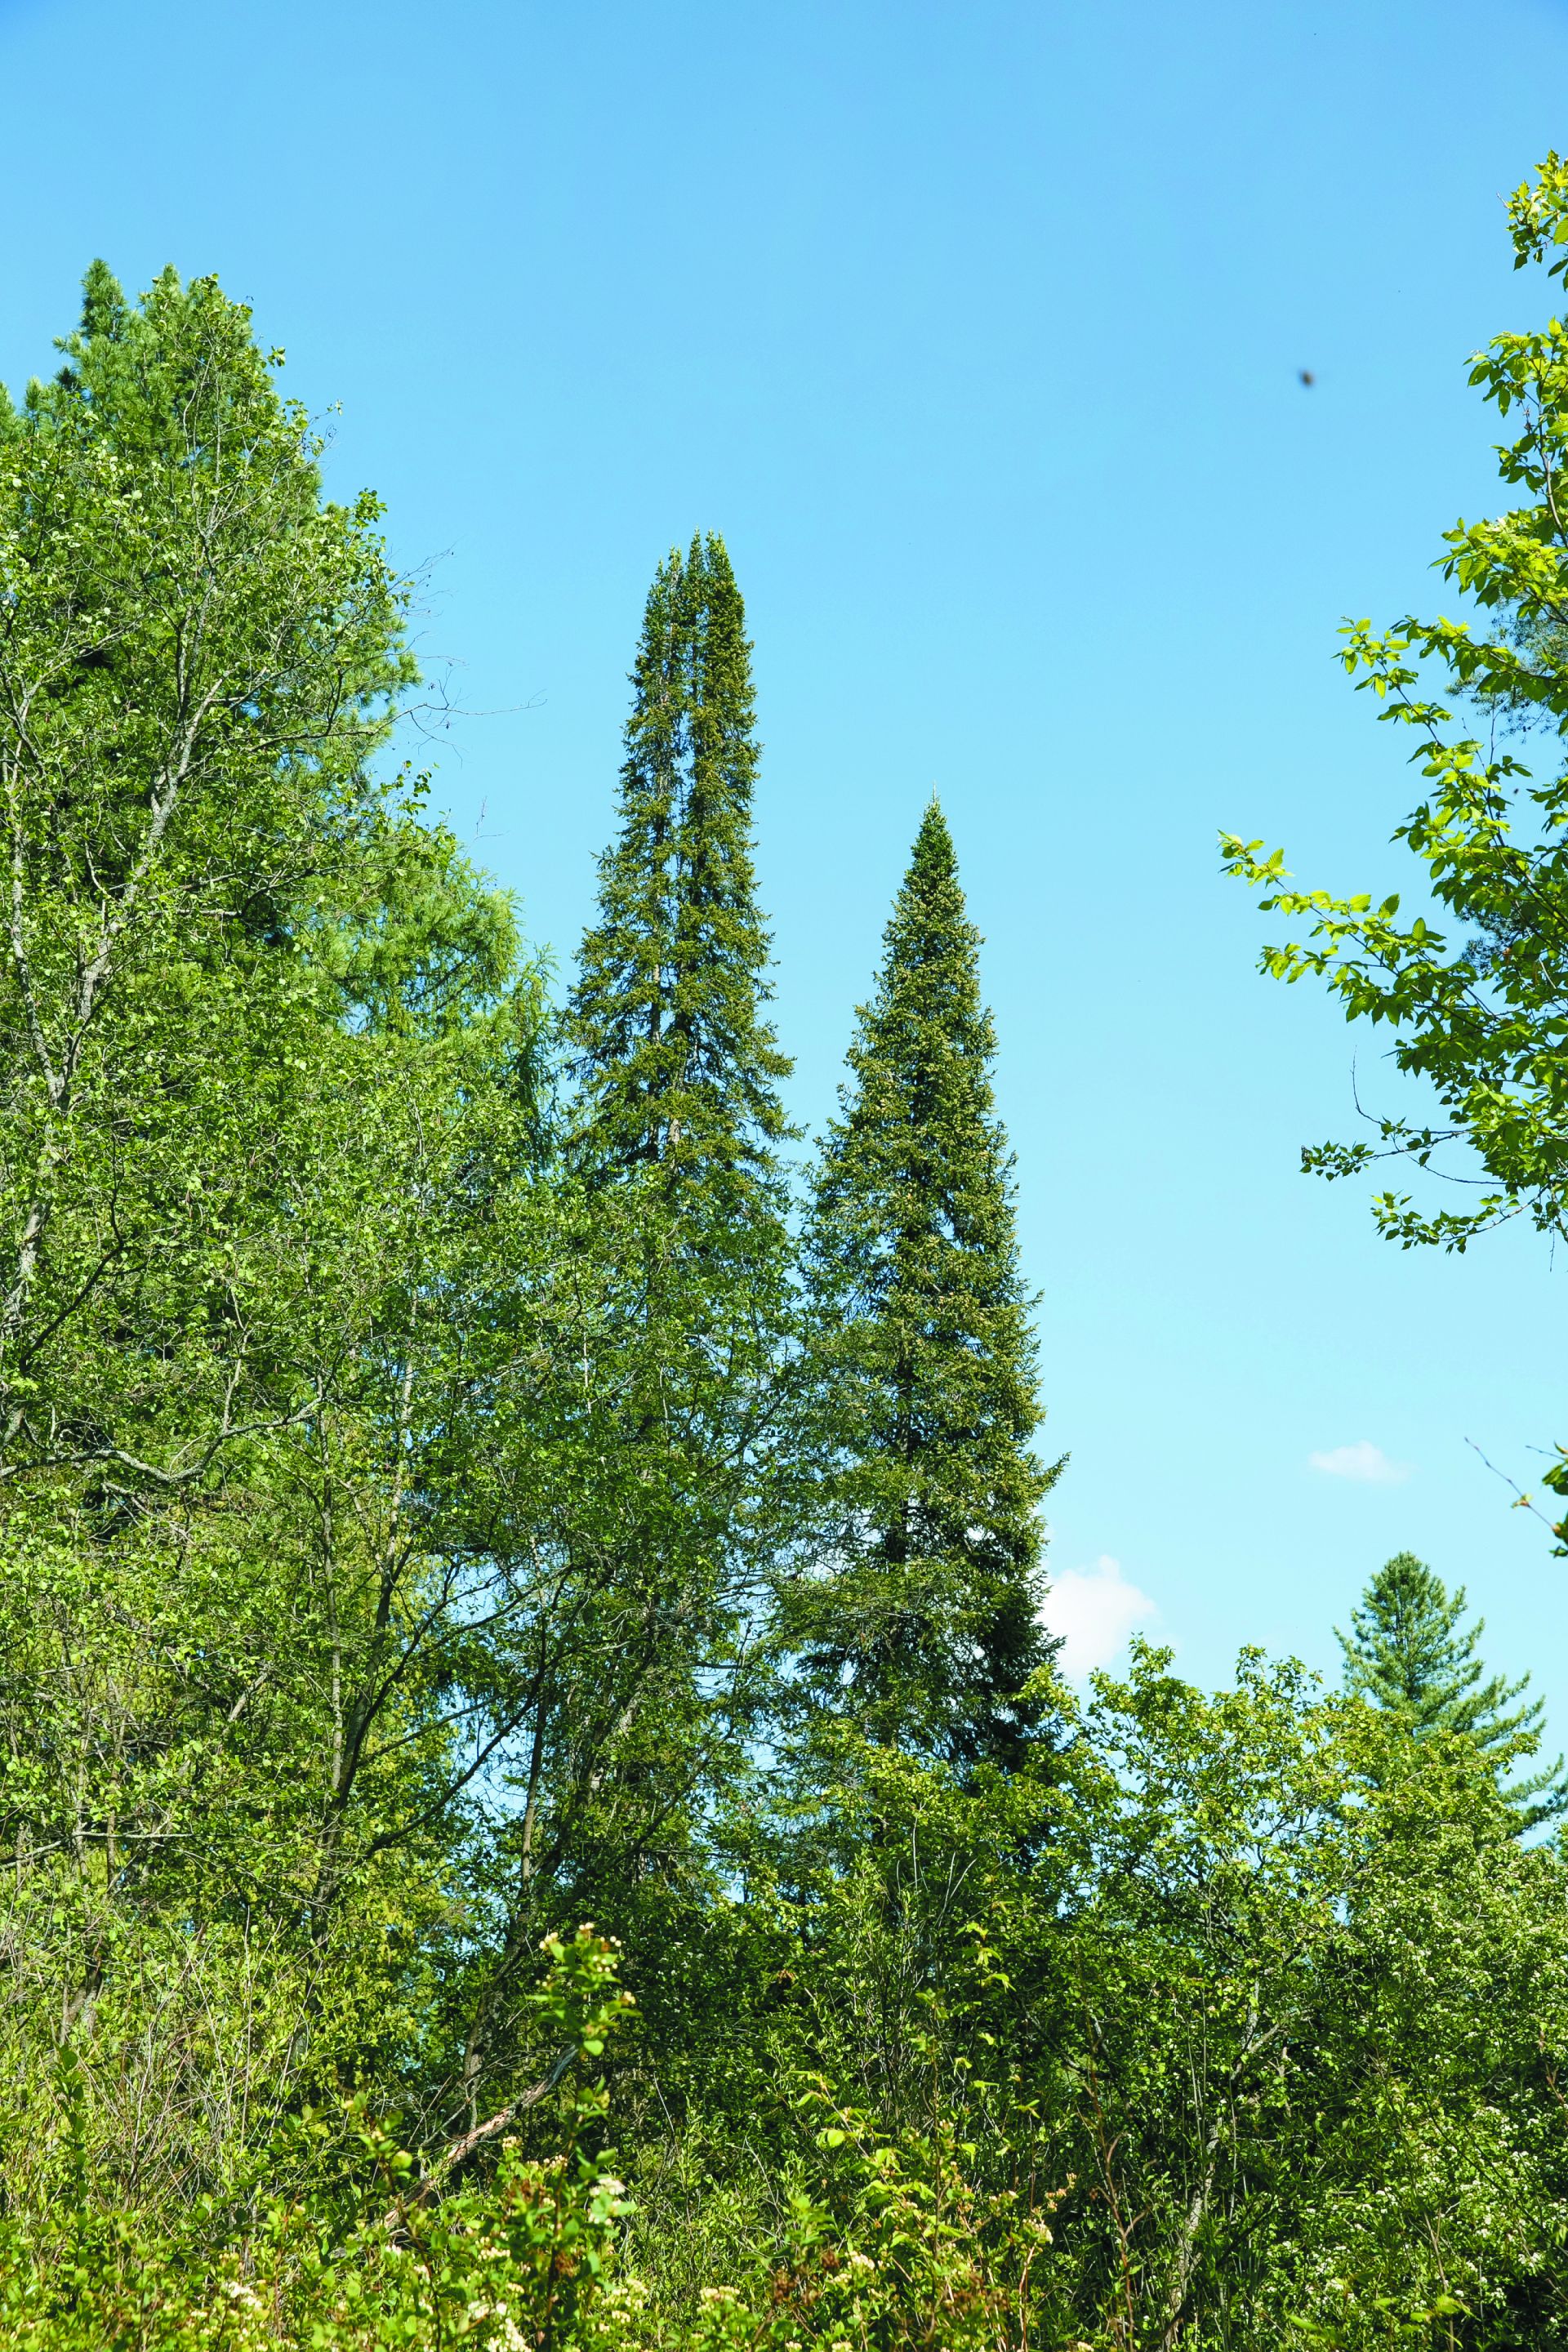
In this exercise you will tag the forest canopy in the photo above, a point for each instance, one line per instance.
(540, 1804)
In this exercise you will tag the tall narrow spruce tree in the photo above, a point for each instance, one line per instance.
(678, 1244)
(676, 1063)
(1410, 1653)
(922, 1616)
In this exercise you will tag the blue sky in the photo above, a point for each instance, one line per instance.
(976, 330)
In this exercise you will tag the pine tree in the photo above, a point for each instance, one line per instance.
(1409, 1651)
(676, 1063)
(922, 1615)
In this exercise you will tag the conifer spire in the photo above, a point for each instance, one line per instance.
(103, 311)
(1410, 1653)
(674, 1137)
(924, 1618)
(676, 1063)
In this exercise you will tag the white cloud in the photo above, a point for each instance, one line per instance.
(1094, 1610)
(1364, 1462)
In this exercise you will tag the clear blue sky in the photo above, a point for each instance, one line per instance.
(975, 330)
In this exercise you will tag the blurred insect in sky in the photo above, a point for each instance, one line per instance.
(1306, 375)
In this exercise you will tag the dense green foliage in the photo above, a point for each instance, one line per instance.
(538, 1806)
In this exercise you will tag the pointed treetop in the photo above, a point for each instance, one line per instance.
(924, 1620)
(676, 1063)
(1409, 1652)
(102, 302)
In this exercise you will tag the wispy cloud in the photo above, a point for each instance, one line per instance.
(1364, 1461)
(1094, 1610)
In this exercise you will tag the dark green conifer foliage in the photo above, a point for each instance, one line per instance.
(685, 1248)
(676, 1063)
(922, 1615)
(1409, 1651)
(103, 306)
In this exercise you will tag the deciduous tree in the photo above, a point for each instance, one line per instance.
(1476, 1002)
